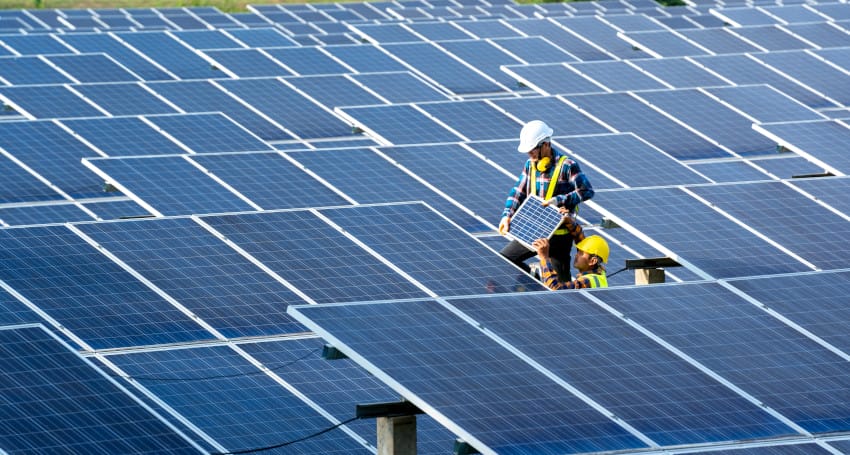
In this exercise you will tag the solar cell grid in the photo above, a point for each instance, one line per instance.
(663, 44)
(399, 87)
(771, 38)
(475, 120)
(20, 186)
(332, 91)
(306, 60)
(90, 68)
(719, 41)
(560, 37)
(47, 101)
(169, 184)
(504, 396)
(562, 118)
(232, 401)
(602, 35)
(124, 99)
(553, 78)
(122, 136)
(42, 214)
(399, 124)
(484, 56)
(180, 257)
(171, 54)
(247, 63)
(764, 103)
(819, 141)
(784, 369)
(27, 70)
(208, 133)
(45, 383)
(533, 221)
(117, 208)
(261, 37)
(106, 43)
(321, 262)
(103, 304)
(679, 72)
(35, 44)
(625, 371)
(617, 76)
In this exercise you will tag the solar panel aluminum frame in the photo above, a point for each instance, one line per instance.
(532, 210)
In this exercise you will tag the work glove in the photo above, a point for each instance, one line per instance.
(505, 225)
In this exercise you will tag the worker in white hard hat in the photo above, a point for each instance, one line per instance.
(558, 180)
(591, 253)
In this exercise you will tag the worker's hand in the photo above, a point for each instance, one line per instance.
(505, 225)
(548, 202)
(563, 211)
(542, 247)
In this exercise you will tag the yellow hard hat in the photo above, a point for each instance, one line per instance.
(596, 246)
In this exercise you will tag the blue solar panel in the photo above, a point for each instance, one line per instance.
(753, 350)
(288, 108)
(475, 120)
(113, 209)
(353, 386)
(602, 35)
(554, 78)
(562, 118)
(306, 60)
(678, 72)
(488, 29)
(320, 261)
(247, 63)
(788, 166)
(170, 184)
(168, 52)
(663, 396)
(615, 154)
(812, 72)
(662, 43)
(562, 38)
(771, 38)
(48, 101)
(334, 90)
(35, 44)
(399, 87)
(270, 181)
(839, 56)
(101, 42)
(261, 37)
(443, 69)
(367, 178)
(232, 401)
(832, 191)
(208, 133)
(821, 142)
(53, 153)
(181, 258)
(42, 214)
(764, 103)
(365, 58)
(781, 213)
(207, 39)
(202, 96)
(123, 136)
(91, 68)
(533, 49)
(124, 99)
(101, 303)
(696, 233)
(20, 186)
(399, 124)
(484, 56)
(731, 171)
(445, 165)
(822, 34)
(740, 17)
(711, 118)
(56, 400)
(29, 70)
(834, 11)
(385, 33)
(419, 346)
(719, 41)
(429, 248)
(617, 76)
(625, 113)
(533, 221)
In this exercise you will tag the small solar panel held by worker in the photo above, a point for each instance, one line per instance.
(533, 221)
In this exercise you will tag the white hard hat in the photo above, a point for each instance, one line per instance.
(532, 134)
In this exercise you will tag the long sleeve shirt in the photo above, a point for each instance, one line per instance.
(572, 186)
(594, 277)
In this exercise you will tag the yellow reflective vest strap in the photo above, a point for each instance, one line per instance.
(553, 182)
(597, 280)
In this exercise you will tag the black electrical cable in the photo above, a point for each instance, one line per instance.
(609, 275)
(222, 376)
(284, 444)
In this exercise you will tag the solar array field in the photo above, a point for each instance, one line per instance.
(194, 203)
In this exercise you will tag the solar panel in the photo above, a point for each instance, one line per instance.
(740, 17)
(208, 133)
(719, 41)
(104, 305)
(117, 208)
(47, 101)
(334, 90)
(442, 68)
(287, 107)
(663, 44)
(839, 56)
(19, 185)
(170, 185)
(306, 60)
(124, 99)
(385, 33)
(399, 87)
(504, 397)
(488, 29)
(246, 63)
(614, 154)
(180, 257)
(562, 118)
(663, 396)
(627, 114)
(354, 386)
(829, 190)
(203, 96)
(742, 69)
(122, 136)
(678, 72)
(365, 58)
(602, 35)
(42, 214)
(785, 370)
(101, 42)
(261, 37)
(43, 412)
(822, 34)
(533, 49)
(714, 120)
(617, 76)
(694, 232)
(818, 141)
(484, 56)
(26, 70)
(35, 44)
(764, 103)
(90, 68)
(321, 262)
(233, 402)
(811, 71)
(533, 221)
(474, 120)
(398, 124)
(561, 37)
(171, 54)
(553, 78)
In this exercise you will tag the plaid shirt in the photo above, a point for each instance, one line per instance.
(571, 188)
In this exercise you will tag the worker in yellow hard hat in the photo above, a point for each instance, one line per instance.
(558, 180)
(591, 253)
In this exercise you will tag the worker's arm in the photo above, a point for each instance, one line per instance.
(578, 187)
(518, 193)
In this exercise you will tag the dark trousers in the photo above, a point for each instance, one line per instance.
(560, 247)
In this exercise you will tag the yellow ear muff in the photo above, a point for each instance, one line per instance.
(543, 164)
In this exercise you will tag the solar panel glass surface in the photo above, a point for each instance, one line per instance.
(208, 133)
(247, 63)
(178, 59)
(25, 70)
(819, 141)
(617, 76)
(562, 118)
(678, 72)
(123, 136)
(320, 261)
(445, 70)
(100, 42)
(20, 186)
(48, 101)
(91, 68)
(42, 214)
(124, 99)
